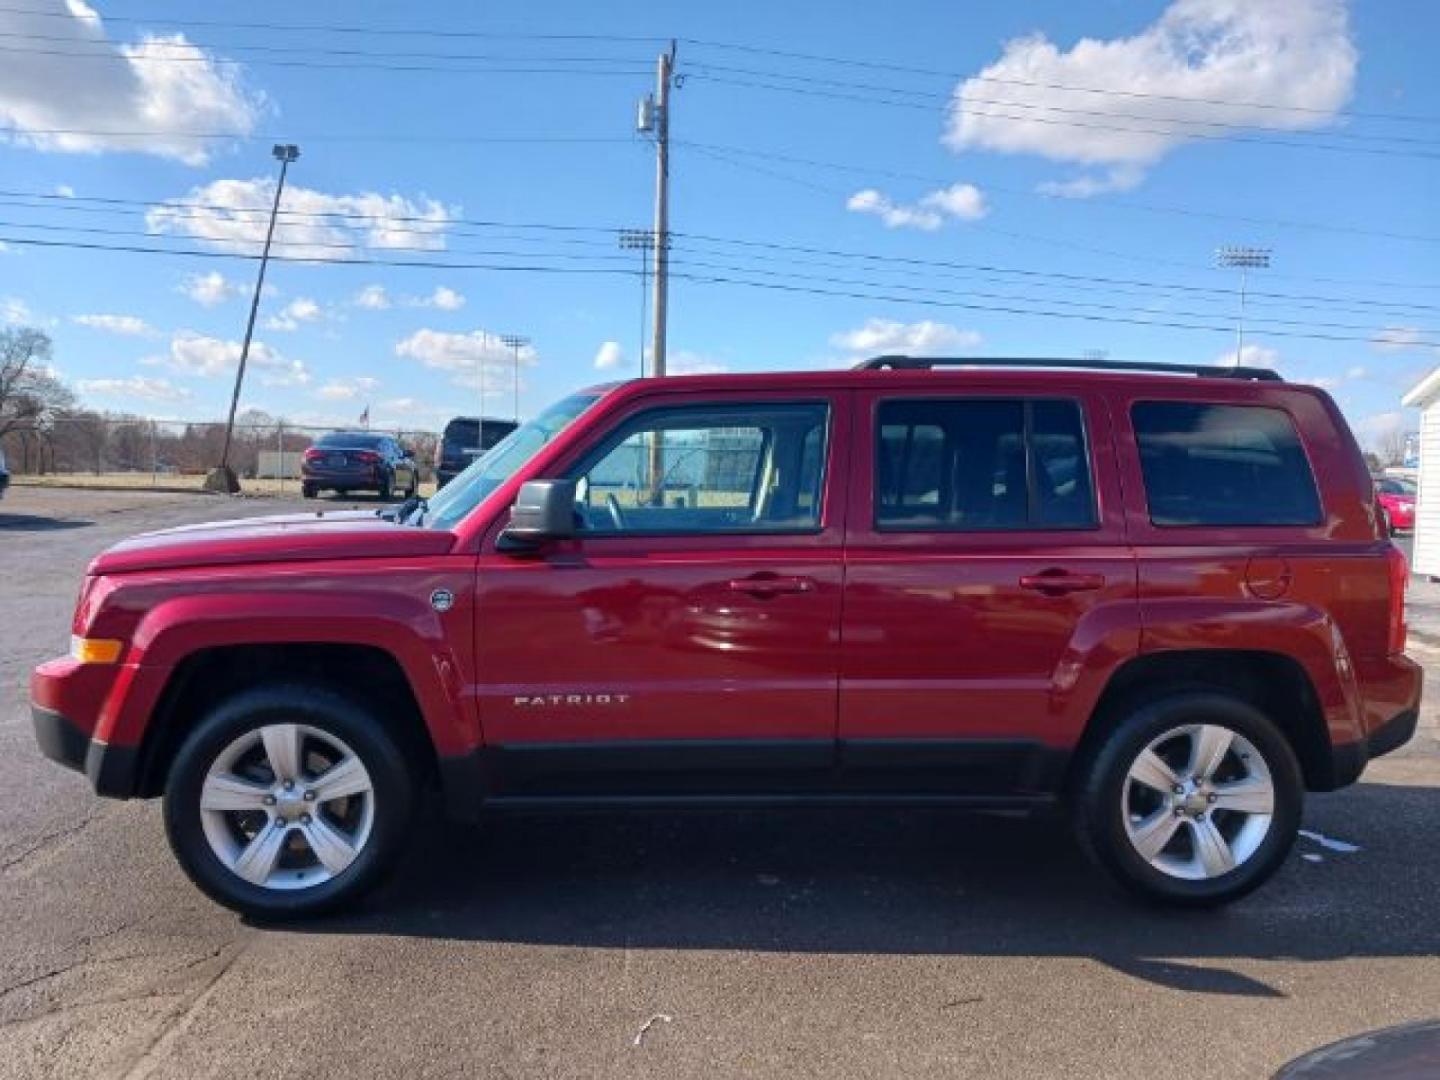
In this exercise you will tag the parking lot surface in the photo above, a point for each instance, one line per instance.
(817, 944)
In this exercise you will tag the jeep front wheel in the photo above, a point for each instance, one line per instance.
(1193, 799)
(287, 801)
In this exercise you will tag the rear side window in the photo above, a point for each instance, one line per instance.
(982, 464)
(1223, 465)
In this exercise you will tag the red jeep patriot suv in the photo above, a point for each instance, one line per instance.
(1161, 595)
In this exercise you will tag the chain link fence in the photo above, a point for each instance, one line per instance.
(93, 450)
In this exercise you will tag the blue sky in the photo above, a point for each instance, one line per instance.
(982, 171)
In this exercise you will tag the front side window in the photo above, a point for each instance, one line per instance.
(982, 464)
(755, 468)
(1208, 464)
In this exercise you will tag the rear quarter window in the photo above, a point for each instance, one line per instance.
(1223, 465)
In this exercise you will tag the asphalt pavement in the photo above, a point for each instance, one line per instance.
(813, 944)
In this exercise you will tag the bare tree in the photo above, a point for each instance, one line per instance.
(30, 394)
(1392, 447)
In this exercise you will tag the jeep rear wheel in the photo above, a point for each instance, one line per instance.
(287, 801)
(1193, 799)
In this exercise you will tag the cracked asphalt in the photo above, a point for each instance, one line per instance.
(818, 944)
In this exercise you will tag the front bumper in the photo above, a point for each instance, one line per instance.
(111, 770)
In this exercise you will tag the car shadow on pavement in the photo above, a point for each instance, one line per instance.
(912, 883)
(36, 523)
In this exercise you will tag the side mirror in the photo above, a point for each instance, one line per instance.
(544, 510)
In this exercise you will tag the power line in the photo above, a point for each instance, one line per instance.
(395, 223)
(541, 140)
(702, 279)
(330, 28)
(937, 97)
(908, 68)
(1051, 121)
(1129, 204)
(349, 66)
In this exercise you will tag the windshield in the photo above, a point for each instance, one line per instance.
(495, 466)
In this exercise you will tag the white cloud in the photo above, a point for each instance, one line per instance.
(142, 387)
(373, 297)
(1087, 185)
(1398, 339)
(232, 215)
(443, 298)
(609, 356)
(1287, 53)
(477, 360)
(152, 92)
(925, 338)
(959, 202)
(15, 310)
(300, 310)
(124, 325)
(196, 354)
(1357, 372)
(1257, 356)
(347, 389)
(684, 362)
(211, 289)
(65, 191)
(1375, 429)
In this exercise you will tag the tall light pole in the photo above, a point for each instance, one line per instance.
(654, 118)
(222, 478)
(1244, 259)
(516, 342)
(642, 240)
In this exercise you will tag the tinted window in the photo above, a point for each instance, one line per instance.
(752, 468)
(982, 464)
(1223, 465)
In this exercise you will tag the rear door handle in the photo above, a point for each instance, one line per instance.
(1061, 582)
(772, 585)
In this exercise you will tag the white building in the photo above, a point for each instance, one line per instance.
(1425, 396)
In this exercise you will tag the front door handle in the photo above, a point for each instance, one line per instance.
(1061, 582)
(771, 585)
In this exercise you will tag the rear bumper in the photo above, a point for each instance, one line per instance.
(111, 770)
(366, 477)
(1397, 703)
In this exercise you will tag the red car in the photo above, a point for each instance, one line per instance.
(1397, 503)
(1161, 599)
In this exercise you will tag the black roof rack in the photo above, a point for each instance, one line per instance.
(924, 363)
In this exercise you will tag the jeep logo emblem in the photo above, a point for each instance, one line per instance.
(442, 599)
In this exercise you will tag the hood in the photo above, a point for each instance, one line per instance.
(344, 534)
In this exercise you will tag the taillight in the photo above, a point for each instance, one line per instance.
(1399, 580)
(311, 454)
(368, 456)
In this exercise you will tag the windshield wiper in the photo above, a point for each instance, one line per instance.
(400, 513)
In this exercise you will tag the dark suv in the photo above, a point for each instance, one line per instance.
(346, 461)
(465, 438)
(1163, 599)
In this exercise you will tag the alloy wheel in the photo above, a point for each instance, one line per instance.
(1198, 801)
(287, 806)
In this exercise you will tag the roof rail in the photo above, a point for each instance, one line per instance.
(924, 363)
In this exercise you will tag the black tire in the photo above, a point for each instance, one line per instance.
(308, 491)
(1100, 784)
(318, 707)
(387, 487)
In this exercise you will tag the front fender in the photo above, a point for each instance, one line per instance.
(405, 627)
